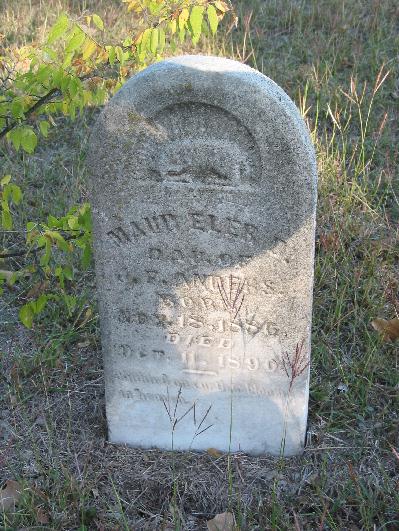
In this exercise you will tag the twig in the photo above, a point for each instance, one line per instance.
(34, 251)
(44, 99)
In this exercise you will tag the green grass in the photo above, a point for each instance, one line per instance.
(327, 55)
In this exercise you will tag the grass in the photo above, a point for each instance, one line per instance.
(328, 56)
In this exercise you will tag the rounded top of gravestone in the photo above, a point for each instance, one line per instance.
(199, 124)
(211, 67)
(217, 80)
(199, 102)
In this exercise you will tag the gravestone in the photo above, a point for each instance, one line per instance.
(203, 187)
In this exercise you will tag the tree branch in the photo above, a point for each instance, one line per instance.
(42, 101)
(37, 249)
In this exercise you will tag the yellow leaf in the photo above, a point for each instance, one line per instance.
(154, 40)
(222, 6)
(196, 17)
(388, 329)
(173, 26)
(10, 493)
(98, 22)
(213, 452)
(5, 180)
(133, 6)
(183, 17)
(212, 18)
(88, 315)
(88, 49)
(139, 38)
(222, 522)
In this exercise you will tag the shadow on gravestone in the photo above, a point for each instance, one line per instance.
(203, 187)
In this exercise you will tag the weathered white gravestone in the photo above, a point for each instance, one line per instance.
(203, 185)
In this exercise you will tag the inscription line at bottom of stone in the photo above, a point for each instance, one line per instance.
(198, 371)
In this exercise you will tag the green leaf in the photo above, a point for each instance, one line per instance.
(26, 315)
(17, 108)
(67, 60)
(86, 256)
(64, 85)
(70, 302)
(196, 17)
(30, 226)
(58, 29)
(162, 40)
(6, 219)
(73, 223)
(45, 258)
(14, 278)
(119, 54)
(182, 34)
(213, 18)
(16, 194)
(68, 272)
(41, 241)
(155, 7)
(52, 221)
(60, 241)
(154, 40)
(28, 139)
(85, 219)
(5, 180)
(16, 135)
(77, 39)
(145, 39)
(98, 22)
(43, 126)
(73, 86)
(111, 54)
(43, 73)
(39, 304)
(127, 42)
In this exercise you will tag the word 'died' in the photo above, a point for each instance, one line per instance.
(202, 161)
